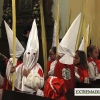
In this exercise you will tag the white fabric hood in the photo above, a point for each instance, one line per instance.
(66, 47)
(32, 49)
(81, 47)
(19, 47)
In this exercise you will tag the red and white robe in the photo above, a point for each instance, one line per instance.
(28, 83)
(81, 74)
(66, 72)
(94, 68)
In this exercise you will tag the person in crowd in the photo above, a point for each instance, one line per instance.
(52, 58)
(25, 36)
(52, 55)
(28, 73)
(93, 62)
(81, 67)
(19, 51)
(64, 68)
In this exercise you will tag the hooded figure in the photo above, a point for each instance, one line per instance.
(30, 66)
(19, 51)
(64, 68)
(54, 88)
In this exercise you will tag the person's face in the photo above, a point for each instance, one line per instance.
(95, 53)
(76, 59)
(52, 55)
(58, 57)
(28, 32)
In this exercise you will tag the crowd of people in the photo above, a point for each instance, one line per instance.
(64, 68)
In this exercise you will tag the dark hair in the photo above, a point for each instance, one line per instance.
(53, 49)
(2, 67)
(27, 28)
(83, 59)
(90, 50)
(99, 54)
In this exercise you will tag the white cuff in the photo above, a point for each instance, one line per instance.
(40, 93)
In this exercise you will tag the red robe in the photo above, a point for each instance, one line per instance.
(82, 73)
(57, 91)
(66, 72)
(48, 65)
(97, 61)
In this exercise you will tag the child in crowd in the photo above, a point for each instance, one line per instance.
(81, 67)
(52, 54)
(93, 62)
(52, 66)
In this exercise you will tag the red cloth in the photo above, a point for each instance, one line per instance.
(59, 89)
(82, 73)
(97, 61)
(18, 62)
(6, 60)
(40, 72)
(48, 65)
(58, 72)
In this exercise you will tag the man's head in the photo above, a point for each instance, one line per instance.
(27, 30)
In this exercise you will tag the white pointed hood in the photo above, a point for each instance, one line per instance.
(81, 47)
(19, 47)
(54, 35)
(32, 50)
(66, 47)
